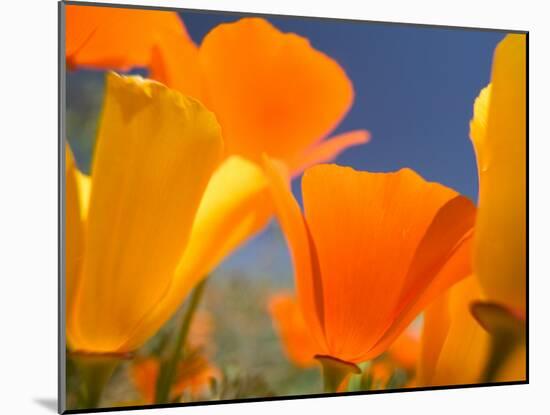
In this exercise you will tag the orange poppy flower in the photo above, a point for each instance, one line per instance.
(287, 318)
(498, 132)
(194, 375)
(195, 371)
(300, 347)
(405, 351)
(271, 91)
(118, 38)
(370, 252)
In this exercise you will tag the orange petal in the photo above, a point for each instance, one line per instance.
(144, 374)
(195, 373)
(276, 95)
(434, 333)
(289, 322)
(200, 332)
(175, 63)
(303, 253)
(366, 228)
(116, 37)
(327, 150)
(442, 258)
(405, 350)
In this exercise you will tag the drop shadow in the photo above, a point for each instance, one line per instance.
(48, 403)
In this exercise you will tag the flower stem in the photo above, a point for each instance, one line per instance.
(507, 331)
(169, 366)
(334, 372)
(94, 372)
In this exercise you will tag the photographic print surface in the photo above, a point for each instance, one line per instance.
(269, 207)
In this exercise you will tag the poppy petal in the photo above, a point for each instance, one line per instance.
(235, 206)
(277, 94)
(500, 240)
(155, 153)
(442, 259)
(302, 252)
(144, 374)
(366, 228)
(405, 350)
(327, 150)
(289, 322)
(74, 231)
(434, 332)
(96, 38)
(175, 63)
(478, 126)
(464, 351)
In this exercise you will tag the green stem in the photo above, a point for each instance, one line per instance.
(506, 330)
(502, 345)
(94, 372)
(334, 372)
(169, 367)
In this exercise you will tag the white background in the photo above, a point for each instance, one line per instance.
(28, 203)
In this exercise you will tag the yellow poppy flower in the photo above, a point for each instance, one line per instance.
(157, 217)
(498, 132)
(454, 347)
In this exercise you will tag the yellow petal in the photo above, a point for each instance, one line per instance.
(155, 153)
(74, 229)
(85, 189)
(434, 332)
(235, 206)
(463, 353)
(500, 245)
(478, 126)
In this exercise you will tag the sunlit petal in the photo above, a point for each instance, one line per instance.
(500, 251)
(154, 156)
(235, 205)
(367, 228)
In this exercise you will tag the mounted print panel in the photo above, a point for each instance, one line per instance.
(259, 207)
